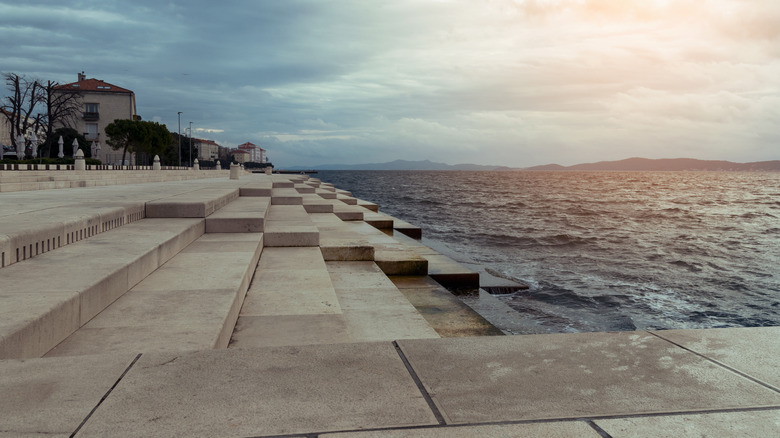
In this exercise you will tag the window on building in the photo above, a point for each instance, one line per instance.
(91, 108)
(92, 131)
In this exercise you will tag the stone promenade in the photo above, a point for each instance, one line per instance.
(279, 305)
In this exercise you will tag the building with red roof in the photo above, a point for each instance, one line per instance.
(102, 104)
(256, 153)
(208, 150)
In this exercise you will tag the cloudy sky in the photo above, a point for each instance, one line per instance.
(509, 82)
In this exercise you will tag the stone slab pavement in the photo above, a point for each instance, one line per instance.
(262, 392)
(557, 376)
(626, 384)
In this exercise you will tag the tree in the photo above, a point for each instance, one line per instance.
(26, 96)
(170, 156)
(62, 108)
(137, 136)
(19, 106)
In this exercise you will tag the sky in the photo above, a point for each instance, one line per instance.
(495, 82)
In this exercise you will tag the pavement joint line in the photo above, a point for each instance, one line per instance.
(105, 396)
(720, 364)
(600, 431)
(590, 421)
(429, 426)
(420, 386)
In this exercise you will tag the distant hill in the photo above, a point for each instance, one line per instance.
(401, 165)
(667, 164)
(630, 164)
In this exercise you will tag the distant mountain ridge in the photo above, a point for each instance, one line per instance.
(667, 164)
(402, 165)
(629, 164)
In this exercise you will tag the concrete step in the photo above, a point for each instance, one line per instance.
(285, 196)
(38, 180)
(316, 204)
(33, 223)
(282, 182)
(297, 298)
(377, 220)
(349, 200)
(47, 298)
(393, 257)
(199, 203)
(257, 188)
(183, 305)
(289, 225)
(372, 306)
(407, 229)
(304, 188)
(445, 312)
(442, 268)
(368, 205)
(338, 242)
(348, 212)
(29, 234)
(290, 302)
(244, 215)
(325, 193)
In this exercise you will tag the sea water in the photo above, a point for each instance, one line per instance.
(603, 251)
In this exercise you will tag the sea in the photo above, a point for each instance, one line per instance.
(602, 251)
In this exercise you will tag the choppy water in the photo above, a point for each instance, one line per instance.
(604, 251)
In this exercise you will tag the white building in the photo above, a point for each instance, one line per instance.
(256, 153)
(103, 103)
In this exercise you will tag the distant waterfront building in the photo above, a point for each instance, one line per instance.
(207, 150)
(256, 153)
(240, 155)
(102, 104)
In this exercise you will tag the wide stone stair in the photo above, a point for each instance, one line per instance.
(266, 262)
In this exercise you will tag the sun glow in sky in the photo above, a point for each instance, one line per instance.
(511, 82)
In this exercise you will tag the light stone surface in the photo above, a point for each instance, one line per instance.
(574, 375)
(368, 205)
(567, 429)
(290, 292)
(746, 424)
(42, 312)
(378, 220)
(449, 272)
(44, 397)
(181, 306)
(373, 308)
(400, 262)
(289, 330)
(280, 235)
(195, 204)
(289, 226)
(754, 351)
(286, 196)
(262, 392)
(290, 282)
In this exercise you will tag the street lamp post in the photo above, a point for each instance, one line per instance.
(179, 138)
(190, 144)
